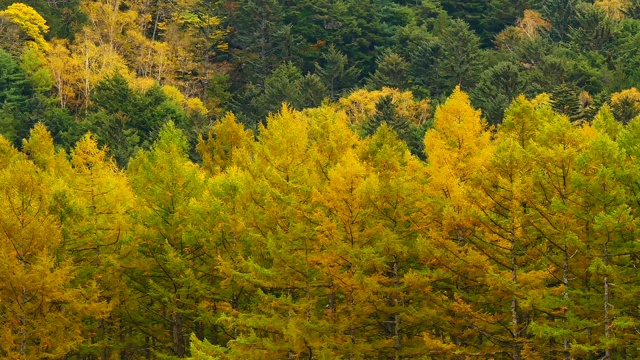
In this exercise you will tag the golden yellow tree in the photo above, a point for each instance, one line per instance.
(41, 307)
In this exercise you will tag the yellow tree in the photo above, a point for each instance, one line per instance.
(32, 24)
(626, 104)
(41, 307)
(66, 71)
(224, 139)
(276, 269)
(614, 8)
(501, 203)
(97, 235)
(457, 148)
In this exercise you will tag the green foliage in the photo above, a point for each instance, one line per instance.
(287, 85)
(562, 14)
(336, 73)
(497, 88)
(430, 235)
(16, 99)
(391, 72)
(458, 61)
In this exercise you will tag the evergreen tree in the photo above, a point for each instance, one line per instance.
(16, 100)
(470, 12)
(386, 113)
(565, 101)
(497, 88)
(335, 73)
(562, 14)
(261, 40)
(391, 72)
(458, 60)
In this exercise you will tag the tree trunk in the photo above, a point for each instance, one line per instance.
(178, 337)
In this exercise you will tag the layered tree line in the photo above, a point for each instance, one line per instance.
(258, 179)
(313, 242)
(76, 65)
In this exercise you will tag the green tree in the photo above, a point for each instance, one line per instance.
(391, 72)
(497, 88)
(16, 99)
(562, 14)
(335, 72)
(459, 56)
(165, 279)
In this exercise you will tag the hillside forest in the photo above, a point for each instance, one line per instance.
(319, 179)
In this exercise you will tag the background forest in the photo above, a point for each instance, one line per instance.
(445, 179)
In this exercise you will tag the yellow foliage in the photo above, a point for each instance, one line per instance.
(626, 104)
(632, 95)
(195, 106)
(224, 139)
(360, 105)
(509, 38)
(531, 23)
(174, 94)
(143, 84)
(459, 141)
(34, 25)
(614, 8)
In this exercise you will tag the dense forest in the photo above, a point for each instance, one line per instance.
(319, 179)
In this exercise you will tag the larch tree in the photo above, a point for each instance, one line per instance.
(457, 148)
(97, 231)
(42, 306)
(555, 147)
(164, 275)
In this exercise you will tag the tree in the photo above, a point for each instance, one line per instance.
(224, 139)
(503, 13)
(32, 23)
(626, 104)
(566, 101)
(595, 30)
(562, 14)
(556, 146)
(42, 309)
(458, 60)
(470, 12)
(497, 88)
(97, 232)
(386, 113)
(457, 148)
(391, 72)
(287, 85)
(166, 277)
(261, 40)
(506, 236)
(16, 99)
(336, 73)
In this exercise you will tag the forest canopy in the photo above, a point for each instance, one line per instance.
(261, 179)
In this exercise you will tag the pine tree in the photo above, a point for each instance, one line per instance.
(386, 113)
(497, 88)
(391, 72)
(566, 101)
(562, 14)
(458, 59)
(335, 73)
